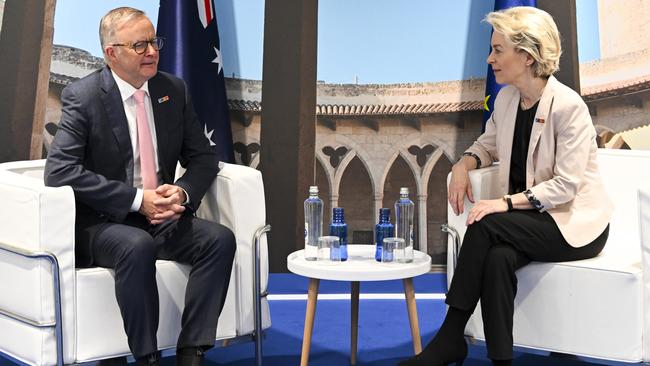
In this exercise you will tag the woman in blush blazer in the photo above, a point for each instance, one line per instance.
(554, 206)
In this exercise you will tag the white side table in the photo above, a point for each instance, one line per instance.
(360, 266)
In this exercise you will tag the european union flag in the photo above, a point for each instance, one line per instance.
(193, 53)
(491, 86)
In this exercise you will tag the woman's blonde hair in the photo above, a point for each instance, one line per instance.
(531, 30)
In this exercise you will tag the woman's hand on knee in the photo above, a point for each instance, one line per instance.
(459, 186)
(484, 208)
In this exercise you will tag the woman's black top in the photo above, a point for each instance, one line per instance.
(520, 142)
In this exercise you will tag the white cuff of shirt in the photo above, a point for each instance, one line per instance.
(137, 201)
(187, 196)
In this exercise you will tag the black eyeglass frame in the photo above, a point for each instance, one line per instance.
(156, 42)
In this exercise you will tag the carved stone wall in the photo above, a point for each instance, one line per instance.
(362, 162)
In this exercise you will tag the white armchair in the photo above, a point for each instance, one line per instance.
(52, 313)
(598, 307)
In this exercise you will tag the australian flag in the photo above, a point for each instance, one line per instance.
(491, 86)
(193, 52)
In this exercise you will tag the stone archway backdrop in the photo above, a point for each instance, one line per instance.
(372, 138)
(363, 133)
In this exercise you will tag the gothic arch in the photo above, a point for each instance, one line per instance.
(389, 165)
(436, 207)
(328, 172)
(431, 163)
(357, 151)
(357, 198)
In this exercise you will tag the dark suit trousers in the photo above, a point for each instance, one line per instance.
(131, 249)
(492, 250)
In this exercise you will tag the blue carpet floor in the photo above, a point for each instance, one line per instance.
(384, 334)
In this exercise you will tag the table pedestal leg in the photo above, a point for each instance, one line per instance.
(354, 321)
(409, 292)
(312, 296)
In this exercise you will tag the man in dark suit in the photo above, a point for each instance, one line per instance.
(122, 131)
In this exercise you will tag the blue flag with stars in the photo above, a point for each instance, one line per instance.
(193, 53)
(491, 86)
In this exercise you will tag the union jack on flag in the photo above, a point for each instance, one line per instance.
(206, 11)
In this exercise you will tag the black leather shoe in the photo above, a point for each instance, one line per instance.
(439, 354)
(190, 356)
(115, 361)
(418, 360)
(152, 359)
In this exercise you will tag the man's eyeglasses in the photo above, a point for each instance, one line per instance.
(141, 46)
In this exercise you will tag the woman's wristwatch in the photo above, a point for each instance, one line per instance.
(478, 160)
(533, 200)
(508, 201)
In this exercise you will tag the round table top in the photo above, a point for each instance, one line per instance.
(360, 266)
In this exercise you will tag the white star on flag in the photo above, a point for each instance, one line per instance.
(208, 135)
(217, 60)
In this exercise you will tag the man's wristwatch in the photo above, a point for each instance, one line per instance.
(508, 201)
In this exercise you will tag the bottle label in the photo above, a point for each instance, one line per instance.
(306, 233)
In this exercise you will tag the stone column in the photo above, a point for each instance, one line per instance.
(334, 202)
(422, 223)
(379, 198)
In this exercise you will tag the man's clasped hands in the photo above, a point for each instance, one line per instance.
(163, 203)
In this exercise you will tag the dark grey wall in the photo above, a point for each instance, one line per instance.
(564, 13)
(288, 121)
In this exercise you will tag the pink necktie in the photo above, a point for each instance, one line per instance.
(145, 144)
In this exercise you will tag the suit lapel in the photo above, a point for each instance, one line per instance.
(160, 103)
(114, 107)
(541, 117)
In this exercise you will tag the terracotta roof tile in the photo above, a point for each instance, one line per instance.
(375, 109)
(616, 88)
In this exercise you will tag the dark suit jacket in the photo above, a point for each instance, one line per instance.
(91, 151)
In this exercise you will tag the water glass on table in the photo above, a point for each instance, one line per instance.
(329, 249)
(392, 250)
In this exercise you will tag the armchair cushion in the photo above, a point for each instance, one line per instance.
(99, 324)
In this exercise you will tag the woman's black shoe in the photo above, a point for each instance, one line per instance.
(439, 353)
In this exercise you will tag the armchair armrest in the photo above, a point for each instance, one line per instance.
(236, 200)
(644, 227)
(484, 186)
(36, 219)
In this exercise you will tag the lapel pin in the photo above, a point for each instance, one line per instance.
(539, 120)
(163, 99)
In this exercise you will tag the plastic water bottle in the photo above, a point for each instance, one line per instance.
(339, 228)
(404, 210)
(383, 229)
(313, 223)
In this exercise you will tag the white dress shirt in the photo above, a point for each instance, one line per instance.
(127, 91)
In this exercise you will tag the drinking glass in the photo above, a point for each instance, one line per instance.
(392, 250)
(329, 249)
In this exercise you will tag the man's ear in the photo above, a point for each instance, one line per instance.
(109, 51)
